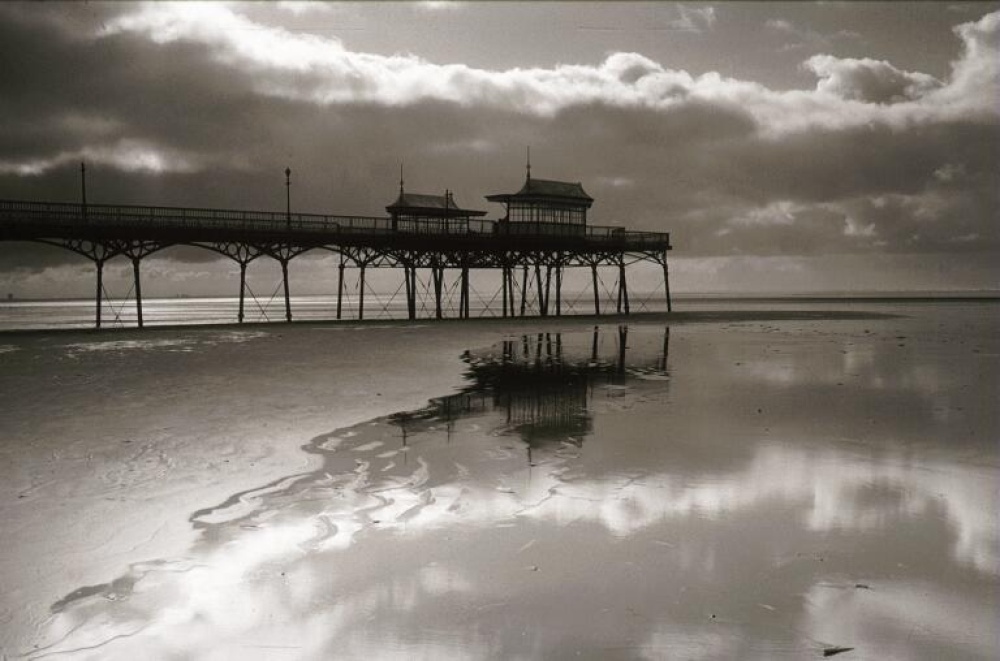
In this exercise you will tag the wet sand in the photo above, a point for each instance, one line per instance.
(730, 485)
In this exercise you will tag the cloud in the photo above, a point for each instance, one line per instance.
(693, 19)
(307, 67)
(127, 155)
(439, 5)
(302, 7)
(871, 81)
(805, 38)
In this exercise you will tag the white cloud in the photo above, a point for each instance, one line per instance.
(854, 228)
(438, 5)
(301, 7)
(873, 81)
(319, 69)
(128, 155)
(693, 19)
(781, 212)
(805, 37)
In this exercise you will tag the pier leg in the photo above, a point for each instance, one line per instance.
(624, 280)
(503, 283)
(100, 289)
(622, 342)
(361, 293)
(559, 270)
(465, 292)
(622, 286)
(138, 290)
(538, 286)
(618, 309)
(438, 274)
(597, 294)
(524, 289)
(666, 349)
(413, 290)
(340, 287)
(548, 287)
(243, 289)
(288, 298)
(666, 283)
(593, 346)
(409, 292)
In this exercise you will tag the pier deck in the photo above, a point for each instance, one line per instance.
(101, 232)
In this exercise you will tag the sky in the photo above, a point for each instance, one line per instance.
(787, 147)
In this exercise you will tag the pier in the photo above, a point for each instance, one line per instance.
(543, 233)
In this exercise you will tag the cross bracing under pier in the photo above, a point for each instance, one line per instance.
(530, 258)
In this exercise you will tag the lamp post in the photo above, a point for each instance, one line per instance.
(288, 197)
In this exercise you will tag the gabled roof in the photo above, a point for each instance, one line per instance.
(540, 189)
(434, 205)
(555, 189)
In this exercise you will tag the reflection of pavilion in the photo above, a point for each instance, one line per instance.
(542, 387)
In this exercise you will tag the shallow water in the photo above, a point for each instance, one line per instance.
(749, 490)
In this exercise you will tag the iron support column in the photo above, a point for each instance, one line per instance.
(503, 283)
(361, 293)
(622, 342)
(465, 291)
(138, 290)
(618, 309)
(340, 286)
(597, 294)
(409, 292)
(559, 270)
(666, 282)
(100, 290)
(524, 289)
(548, 287)
(666, 349)
(288, 298)
(438, 273)
(413, 292)
(243, 287)
(624, 283)
(538, 286)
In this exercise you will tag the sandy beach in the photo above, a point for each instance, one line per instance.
(712, 485)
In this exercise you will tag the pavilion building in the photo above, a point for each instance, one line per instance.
(544, 206)
(434, 214)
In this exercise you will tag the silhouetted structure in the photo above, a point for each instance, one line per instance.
(545, 230)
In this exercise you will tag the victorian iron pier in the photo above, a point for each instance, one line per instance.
(543, 232)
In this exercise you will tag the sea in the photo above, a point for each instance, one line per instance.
(180, 311)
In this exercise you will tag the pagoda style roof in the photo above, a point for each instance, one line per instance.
(542, 189)
(430, 205)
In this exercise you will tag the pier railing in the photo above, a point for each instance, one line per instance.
(70, 216)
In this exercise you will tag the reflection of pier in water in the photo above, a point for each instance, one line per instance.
(541, 384)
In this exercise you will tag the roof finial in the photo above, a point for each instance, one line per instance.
(401, 177)
(529, 162)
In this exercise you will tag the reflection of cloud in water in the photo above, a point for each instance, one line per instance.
(170, 344)
(267, 570)
(899, 616)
